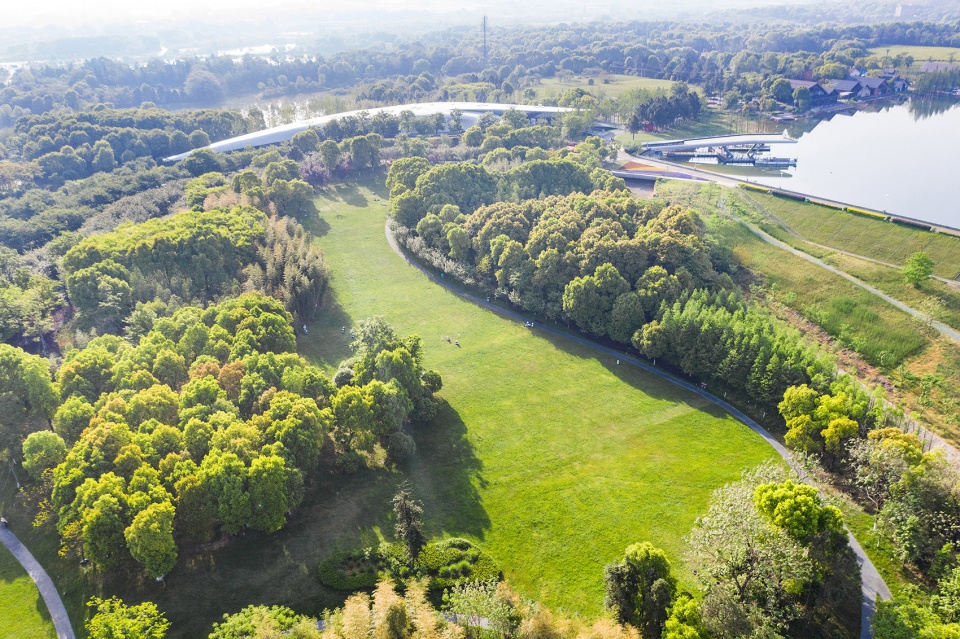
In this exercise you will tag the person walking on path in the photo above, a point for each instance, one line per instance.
(61, 621)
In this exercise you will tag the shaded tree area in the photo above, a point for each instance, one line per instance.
(209, 423)
(631, 271)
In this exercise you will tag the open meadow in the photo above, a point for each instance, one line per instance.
(565, 458)
(880, 240)
(920, 54)
(609, 85)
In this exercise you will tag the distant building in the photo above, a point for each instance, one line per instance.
(849, 89)
(876, 86)
(819, 95)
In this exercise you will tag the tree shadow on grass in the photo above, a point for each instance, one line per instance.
(446, 475)
(339, 512)
(314, 222)
(350, 194)
(649, 384)
(327, 341)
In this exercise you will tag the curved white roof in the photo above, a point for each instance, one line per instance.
(286, 132)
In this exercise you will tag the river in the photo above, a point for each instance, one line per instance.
(898, 158)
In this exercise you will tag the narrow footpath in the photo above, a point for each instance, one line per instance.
(942, 328)
(61, 621)
(872, 584)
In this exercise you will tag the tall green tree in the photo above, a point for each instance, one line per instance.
(113, 619)
(640, 588)
(150, 539)
(409, 528)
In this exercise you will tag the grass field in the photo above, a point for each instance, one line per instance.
(23, 615)
(552, 457)
(920, 54)
(935, 298)
(610, 86)
(872, 238)
(571, 457)
(854, 316)
(22, 611)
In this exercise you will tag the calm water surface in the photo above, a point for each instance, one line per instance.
(901, 158)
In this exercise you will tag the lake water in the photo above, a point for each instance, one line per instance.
(899, 158)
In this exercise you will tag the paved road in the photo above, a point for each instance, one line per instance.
(61, 621)
(872, 584)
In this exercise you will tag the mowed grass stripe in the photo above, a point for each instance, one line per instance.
(571, 457)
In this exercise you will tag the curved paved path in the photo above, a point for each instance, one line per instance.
(872, 584)
(61, 621)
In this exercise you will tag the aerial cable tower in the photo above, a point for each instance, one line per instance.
(484, 39)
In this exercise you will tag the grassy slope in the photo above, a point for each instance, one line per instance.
(838, 305)
(567, 458)
(936, 298)
(23, 615)
(711, 123)
(928, 381)
(616, 85)
(872, 238)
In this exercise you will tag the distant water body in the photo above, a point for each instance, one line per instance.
(901, 158)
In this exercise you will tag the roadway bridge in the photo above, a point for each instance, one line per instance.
(471, 113)
(745, 141)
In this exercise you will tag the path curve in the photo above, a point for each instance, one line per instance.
(61, 621)
(769, 239)
(732, 183)
(872, 584)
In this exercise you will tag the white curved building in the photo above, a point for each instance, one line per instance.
(471, 112)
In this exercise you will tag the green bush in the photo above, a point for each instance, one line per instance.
(445, 563)
(351, 570)
(451, 561)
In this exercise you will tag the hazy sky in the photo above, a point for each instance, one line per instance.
(66, 13)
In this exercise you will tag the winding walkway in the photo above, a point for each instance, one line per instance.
(61, 621)
(872, 584)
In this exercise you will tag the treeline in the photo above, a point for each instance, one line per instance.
(454, 69)
(193, 257)
(636, 273)
(663, 110)
(938, 81)
(208, 422)
(63, 146)
(521, 54)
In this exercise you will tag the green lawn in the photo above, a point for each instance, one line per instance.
(872, 238)
(938, 299)
(609, 85)
(23, 615)
(563, 457)
(920, 54)
(550, 456)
